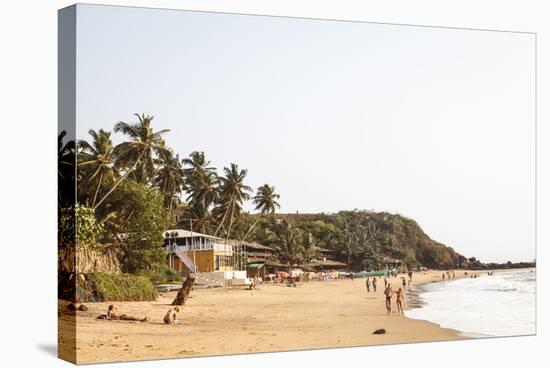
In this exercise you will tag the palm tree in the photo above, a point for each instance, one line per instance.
(169, 178)
(145, 144)
(232, 194)
(197, 164)
(140, 151)
(201, 181)
(289, 249)
(200, 217)
(266, 202)
(97, 158)
(309, 244)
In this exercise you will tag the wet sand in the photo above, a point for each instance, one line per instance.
(318, 314)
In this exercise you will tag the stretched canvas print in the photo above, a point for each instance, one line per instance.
(239, 183)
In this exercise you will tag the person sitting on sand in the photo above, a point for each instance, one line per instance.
(374, 284)
(399, 297)
(367, 283)
(113, 316)
(388, 292)
(171, 316)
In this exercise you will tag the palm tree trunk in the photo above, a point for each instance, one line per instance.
(170, 208)
(221, 223)
(230, 221)
(252, 227)
(97, 189)
(118, 182)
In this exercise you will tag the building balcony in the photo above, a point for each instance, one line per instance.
(173, 248)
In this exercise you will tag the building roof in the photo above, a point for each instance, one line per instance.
(256, 246)
(189, 234)
(327, 262)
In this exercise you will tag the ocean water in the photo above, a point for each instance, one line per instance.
(503, 304)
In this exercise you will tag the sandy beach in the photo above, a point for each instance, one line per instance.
(315, 315)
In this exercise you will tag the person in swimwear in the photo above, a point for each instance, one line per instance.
(399, 297)
(171, 316)
(388, 292)
(113, 316)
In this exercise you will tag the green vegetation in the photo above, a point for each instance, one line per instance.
(102, 287)
(129, 194)
(364, 240)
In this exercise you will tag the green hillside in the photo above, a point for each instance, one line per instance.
(363, 239)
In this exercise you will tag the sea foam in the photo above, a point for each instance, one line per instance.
(503, 304)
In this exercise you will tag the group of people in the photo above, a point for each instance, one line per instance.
(449, 274)
(170, 318)
(389, 292)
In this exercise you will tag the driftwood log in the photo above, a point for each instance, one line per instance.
(183, 294)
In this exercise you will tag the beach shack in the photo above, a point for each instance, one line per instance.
(196, 252)
(257, 258)
(326, 265)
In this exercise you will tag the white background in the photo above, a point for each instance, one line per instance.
(28, 97)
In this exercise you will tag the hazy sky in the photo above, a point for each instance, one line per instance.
(434, 124)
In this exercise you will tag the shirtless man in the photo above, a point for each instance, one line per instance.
(399, 297)
(112, 315)
(171, 316)
(374, 284)
(367, 283)
(388, 292)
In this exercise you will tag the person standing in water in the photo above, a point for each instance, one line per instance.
(388, 292)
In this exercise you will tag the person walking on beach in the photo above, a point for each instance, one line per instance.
(399, 300)
(410, 276)
(374, 284)
(367, 283)
(385, 282)
(404, 281)
(388, 292)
